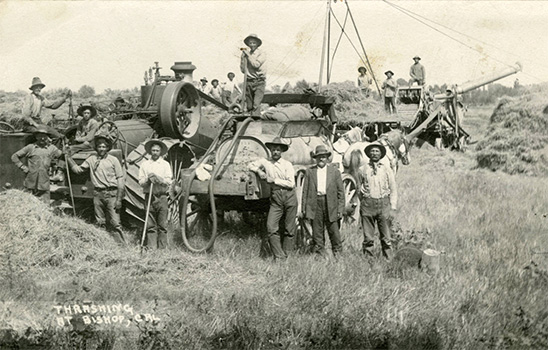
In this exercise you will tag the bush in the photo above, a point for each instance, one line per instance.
(86, 91)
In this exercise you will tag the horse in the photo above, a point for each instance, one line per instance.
(344, 142)
(397, 149)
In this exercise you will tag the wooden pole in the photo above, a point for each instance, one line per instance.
(328, 14)
(147, 212)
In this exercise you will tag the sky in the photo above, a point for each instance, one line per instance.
(110, 44)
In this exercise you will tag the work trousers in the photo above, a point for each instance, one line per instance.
(106, 215)
(419, 82)
(254, 95)
(376, 211)
(319, 224)
(390, 104)
(157, 222)
(282, 201)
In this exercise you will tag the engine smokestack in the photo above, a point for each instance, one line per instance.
(183, 71)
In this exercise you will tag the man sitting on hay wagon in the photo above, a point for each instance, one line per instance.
(279, 173)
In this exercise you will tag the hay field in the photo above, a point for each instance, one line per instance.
(489, 294)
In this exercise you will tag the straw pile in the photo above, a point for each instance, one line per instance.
(33, 236)
(517, 137)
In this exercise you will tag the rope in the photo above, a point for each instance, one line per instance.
(412, 15)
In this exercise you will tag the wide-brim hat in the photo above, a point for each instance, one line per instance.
(204, 79)
(35, 82)
(214, 80)
(119, 99)
(83, 107)
(278, 142)
(253, 36)
(321, 150)
(362, 67)
(368, 148)
(417, 57)
(389, 71)
(102, 137)
(150, 143)
(41, 129)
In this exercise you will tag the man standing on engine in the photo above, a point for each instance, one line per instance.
(253, 63)
(279, 173)
(417, 72)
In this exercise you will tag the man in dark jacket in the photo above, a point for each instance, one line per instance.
(323, 201)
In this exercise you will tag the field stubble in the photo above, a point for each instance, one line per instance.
(490, 292)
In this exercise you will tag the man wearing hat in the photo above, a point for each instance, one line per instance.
(216, 91)
(279, 173)
(204, 87)
(39, 156)
(156, 171)
(323, 201)
(364, 82)
(231, 90)
(86, 128)
(33, 104)
(417, 72)
(378, 199)
(253, 63)
(107, 178)
(390, 87)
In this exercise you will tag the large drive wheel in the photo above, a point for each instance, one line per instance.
(304, 228)
(177, 100)
(196, 223)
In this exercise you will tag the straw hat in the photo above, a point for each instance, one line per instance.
(321, 150)
(152, 142)
(369, 147)
(253, 36)
(41, 129)
(83, 107)
(389, 71)
(204, 79)
(36, 81)
(417, 57)
(277, 141)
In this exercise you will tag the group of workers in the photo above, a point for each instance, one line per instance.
(390, 86)
(323, 201)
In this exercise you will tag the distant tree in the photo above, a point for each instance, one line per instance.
(301, 85)
(86, 91)
(402, 82)
(276, 89)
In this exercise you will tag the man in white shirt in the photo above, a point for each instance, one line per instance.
(323, 201)
(156, 171)
(231, 90)
(279, 173)
(378, 200)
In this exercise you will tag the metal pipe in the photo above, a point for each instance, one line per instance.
(474, 84)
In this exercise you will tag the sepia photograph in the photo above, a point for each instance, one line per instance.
(316, 174)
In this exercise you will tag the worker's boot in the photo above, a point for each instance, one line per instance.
(276, 246)
(289, 245)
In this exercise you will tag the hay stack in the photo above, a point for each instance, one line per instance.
(33, 236)
(517, 137)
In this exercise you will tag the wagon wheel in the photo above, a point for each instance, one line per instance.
(6, 128)
(176, 161)
(351, 217)
(110, 129)
(304, 228)
(196, 223)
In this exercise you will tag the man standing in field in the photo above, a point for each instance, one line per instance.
(378, 199)
(107, 178)
(323, 201)
(215, 91)
(39, 156)
(156, 171)
(253, 63)
(35, 102)
(390, 87)
(417, 72)
(231, 90)
(279, 173)
(364, 83)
